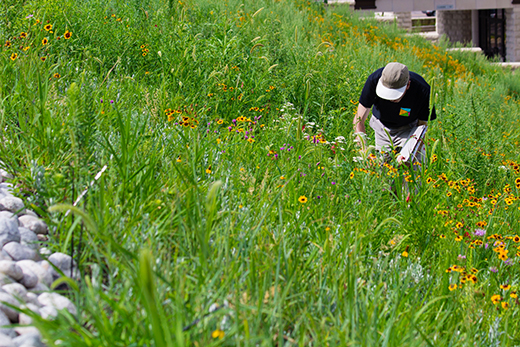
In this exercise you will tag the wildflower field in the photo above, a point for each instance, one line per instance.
(204, 149)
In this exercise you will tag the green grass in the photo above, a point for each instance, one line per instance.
(190, 214)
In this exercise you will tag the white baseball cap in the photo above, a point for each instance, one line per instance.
(393, 81)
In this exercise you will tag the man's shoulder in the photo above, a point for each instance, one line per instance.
(418, 79)
(376, 74)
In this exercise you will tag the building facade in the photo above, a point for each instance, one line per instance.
(493, 25)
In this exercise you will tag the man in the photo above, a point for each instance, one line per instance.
(400, 101)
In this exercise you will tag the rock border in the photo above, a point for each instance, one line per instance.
(27, 270)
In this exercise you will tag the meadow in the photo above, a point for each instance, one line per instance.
(205, 151)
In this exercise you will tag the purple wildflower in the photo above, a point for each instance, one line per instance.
(493, 269)
(480, 232)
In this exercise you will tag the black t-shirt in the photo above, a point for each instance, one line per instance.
(415, 103)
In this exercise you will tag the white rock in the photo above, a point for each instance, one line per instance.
(32, 299)
(5, 256)
(4, 174)
(31, 213)
(4, 279)
(17, 290)
(9, 268)
(58, 301)
(26, 319)
(28, 238)
(11, 203)
(8, 231)
(30, 337)
(29, 279)
(61, 260)
(48, 312)
(12, 314)
(6, 341)
(17, 251)
(43, 276)
(7, 214)
(39, 288)
(7, 187)
(5, 321)
(34, 224)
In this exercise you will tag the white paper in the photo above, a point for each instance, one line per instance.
(413, 145)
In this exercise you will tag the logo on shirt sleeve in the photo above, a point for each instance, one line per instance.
(405, 112)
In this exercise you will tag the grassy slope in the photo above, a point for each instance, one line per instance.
(221, 214)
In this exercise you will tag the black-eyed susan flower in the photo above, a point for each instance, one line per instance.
(505, 305)
(43, 58)
(208, 170)
(458, 238)
(442, 236)
(56, 75)
(23, 35)
(516, 239)
(7, 44)
(351, 176)
(302, 199)
(495, 299)
(250, 140)
(48, 27)
(67, 35)
(505, 286)
(513, 295)
(45, 41)
(14, 56)
(452, 287)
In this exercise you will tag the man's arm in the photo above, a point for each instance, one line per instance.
(360, 119)
(359, 125)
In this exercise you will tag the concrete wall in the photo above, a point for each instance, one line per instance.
(456, 25)
(425, 5)
(404, 20)
(513, 34)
